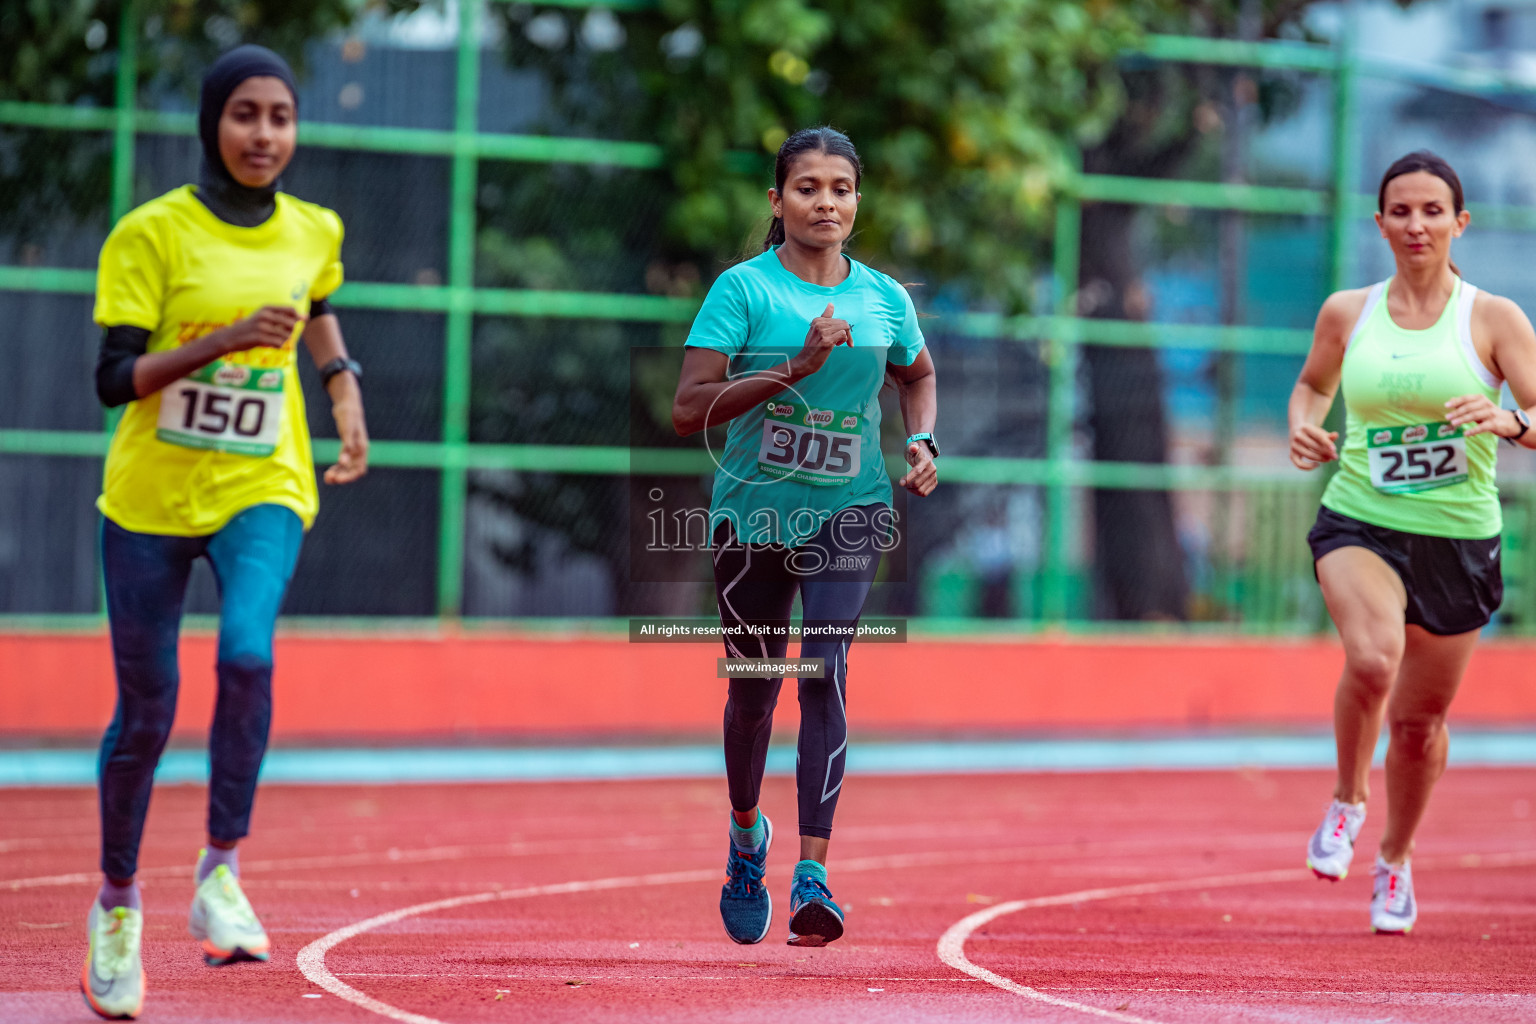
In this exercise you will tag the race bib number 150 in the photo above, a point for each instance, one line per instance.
(226, 407)
(1404, 460)
(813, 446)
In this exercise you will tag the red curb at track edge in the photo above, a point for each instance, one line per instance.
(373, 686)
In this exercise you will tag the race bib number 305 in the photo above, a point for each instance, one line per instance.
(226, 407)
(1404, 460)
(813, 446)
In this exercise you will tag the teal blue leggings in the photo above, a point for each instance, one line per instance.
(146, 580)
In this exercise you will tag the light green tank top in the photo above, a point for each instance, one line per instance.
(1403, 466)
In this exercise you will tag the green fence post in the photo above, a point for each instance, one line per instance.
(1346, 149)
(458, 338)
(1061, 359)
(125, 106)
(1346, 172)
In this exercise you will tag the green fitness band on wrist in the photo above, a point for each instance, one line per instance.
(927, 439)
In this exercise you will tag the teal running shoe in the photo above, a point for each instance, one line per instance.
(745, 906)
(815, 918)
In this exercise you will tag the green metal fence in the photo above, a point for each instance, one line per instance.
(459, 300)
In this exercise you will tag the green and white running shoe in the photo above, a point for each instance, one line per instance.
(112, 980)
(223, 919)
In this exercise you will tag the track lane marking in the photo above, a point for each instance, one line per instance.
(436, 854)
(370, 858)
(743, 976)
(951, 946)
(311, 959)
(948, 979)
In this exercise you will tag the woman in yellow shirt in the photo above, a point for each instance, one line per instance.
(204, 294)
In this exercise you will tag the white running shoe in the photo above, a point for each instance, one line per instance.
(1332, 846)
(223, 919)
(112, 980)
(1393, 908)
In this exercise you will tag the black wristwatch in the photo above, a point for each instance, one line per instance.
(341, 365)
(1525, 424)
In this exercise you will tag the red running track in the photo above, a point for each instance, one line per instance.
(595, 902)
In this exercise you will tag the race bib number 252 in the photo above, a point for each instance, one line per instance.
(1405, 460)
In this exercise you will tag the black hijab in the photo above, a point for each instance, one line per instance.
(231, 201)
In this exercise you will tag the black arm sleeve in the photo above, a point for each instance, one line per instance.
(121, 347)
(321, 307)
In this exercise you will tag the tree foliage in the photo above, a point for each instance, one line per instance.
(969, 115)
(68, 52)
(964, 111)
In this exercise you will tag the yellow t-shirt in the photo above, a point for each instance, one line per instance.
(188, 458)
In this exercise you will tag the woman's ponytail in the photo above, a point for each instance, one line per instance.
(775, 234)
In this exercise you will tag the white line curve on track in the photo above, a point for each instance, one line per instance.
(951, 947)
(311, 959)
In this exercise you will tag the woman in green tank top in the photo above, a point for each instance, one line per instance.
(1407, 539)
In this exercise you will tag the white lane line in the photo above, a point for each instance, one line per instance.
(12, 845)
(951, 947)
(952, 943)
(392, 855)
(311, 959)
(82, 878)
(549, 847)
(947, 980)
(734, 978)
(1350, 994)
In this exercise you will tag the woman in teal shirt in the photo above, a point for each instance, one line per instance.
(791, 349)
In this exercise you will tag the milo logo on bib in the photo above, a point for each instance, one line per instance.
(1420, 457)
(231, 375)
(810, 445)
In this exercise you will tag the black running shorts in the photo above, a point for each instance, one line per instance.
(1454, 586)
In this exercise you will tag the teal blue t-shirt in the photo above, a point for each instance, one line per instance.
(791, 463)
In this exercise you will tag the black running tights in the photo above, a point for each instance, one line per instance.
(755, 585)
